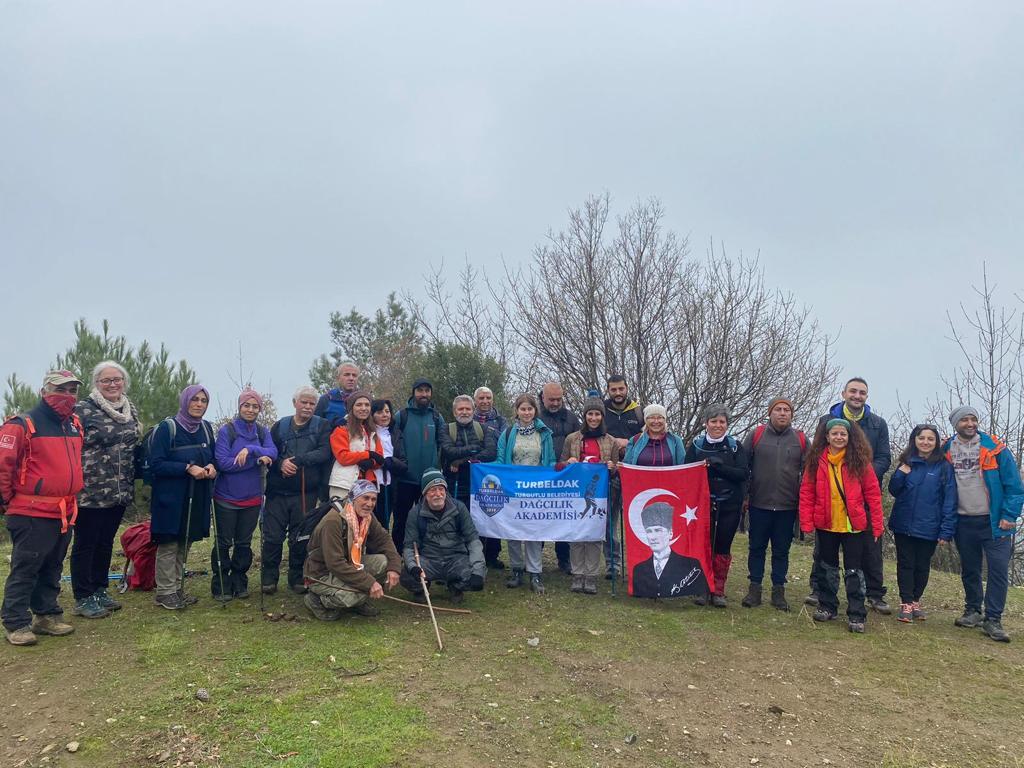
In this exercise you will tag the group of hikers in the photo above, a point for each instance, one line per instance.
(369, 497)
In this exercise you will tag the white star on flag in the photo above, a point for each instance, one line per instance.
(690, 515)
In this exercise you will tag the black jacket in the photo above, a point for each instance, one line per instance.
(728, 469)
(466, 447)
(626, 423)
(309, 447)
(677, 579)
(562, 423)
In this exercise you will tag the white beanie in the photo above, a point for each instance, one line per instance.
(655, 409)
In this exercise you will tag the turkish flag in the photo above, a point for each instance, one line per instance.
(667, 517)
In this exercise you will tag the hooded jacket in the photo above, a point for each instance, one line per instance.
(925, 500)
(877, 433)
(439, 537)
(1002, 479)
(423, 434)
(241, 485)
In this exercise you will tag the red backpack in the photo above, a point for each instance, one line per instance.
(140, 558)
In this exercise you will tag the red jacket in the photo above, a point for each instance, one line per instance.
(41, 465)
(862, 495)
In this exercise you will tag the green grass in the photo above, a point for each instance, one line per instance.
(613, 681)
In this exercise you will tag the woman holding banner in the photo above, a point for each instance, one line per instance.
(591, 444)
(526, 442)
(728, 469)
(655, 446)
(841, 501)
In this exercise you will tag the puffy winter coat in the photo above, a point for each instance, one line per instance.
(926, 500)
(348, 452)
(863, 497)
(108, 457)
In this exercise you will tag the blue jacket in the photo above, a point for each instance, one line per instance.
(926, 499)
(174, 490)
(507, 442)
(1002, 478)
(637, 443)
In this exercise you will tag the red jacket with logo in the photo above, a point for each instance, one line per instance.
(41, 465)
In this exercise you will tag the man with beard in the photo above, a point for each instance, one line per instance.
(624, 418)
(562, 422)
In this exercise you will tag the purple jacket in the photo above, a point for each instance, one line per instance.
(241, 484)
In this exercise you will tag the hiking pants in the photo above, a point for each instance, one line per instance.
(562, 552)
(375, 565)
(612, 539)
(492, 547)
(872, 570)
(407, 494)
(773, 527)
(282, 517)
(585, 558)
(854, 546)
(452, 571)
(974, 539)
(170, 566)
(231, 555)
(532, 550)
(37, 559)
(726, 524)
(913, 565)
(92, 548)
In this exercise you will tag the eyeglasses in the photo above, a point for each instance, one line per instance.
(112, 380)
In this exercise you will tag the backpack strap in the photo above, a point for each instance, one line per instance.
(478, 429)
(453, 431)
(758, 434)
(30, 431)
(803, 440)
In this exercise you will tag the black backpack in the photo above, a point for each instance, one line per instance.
(145, 467)
(312, 520)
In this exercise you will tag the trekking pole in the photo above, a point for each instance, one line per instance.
(610, 526)
(188, 528)
(426, 591)
(216, 552)
(263, 506)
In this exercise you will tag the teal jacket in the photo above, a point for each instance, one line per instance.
(507, 442)
(424, 433)
(637, 443)
(1002, 479)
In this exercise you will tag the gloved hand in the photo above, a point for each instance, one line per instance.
(377, 458)
(366, 464)
(388, 463)
(416, 572)
(476, 583)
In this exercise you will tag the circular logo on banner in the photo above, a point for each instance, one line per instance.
(491, 496)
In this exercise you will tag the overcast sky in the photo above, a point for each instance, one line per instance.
(209, 174)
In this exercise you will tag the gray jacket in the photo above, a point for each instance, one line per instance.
(452, 534)
(775, 469)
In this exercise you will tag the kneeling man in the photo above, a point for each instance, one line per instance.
(450, 550)
(350, 556)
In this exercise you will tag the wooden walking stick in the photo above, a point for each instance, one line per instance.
(426, 591)
(386, 596)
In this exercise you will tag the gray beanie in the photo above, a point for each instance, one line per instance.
(961, 412)
(658, 513)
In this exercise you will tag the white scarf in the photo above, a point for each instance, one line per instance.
(122, 411)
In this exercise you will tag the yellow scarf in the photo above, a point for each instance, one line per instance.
(840, 517)
(849, 416)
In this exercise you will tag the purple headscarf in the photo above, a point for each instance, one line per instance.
(185, 421)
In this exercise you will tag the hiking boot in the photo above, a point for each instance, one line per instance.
(90, 608)
(455, 595)
(590, 585)
(536, 584)
(365, 608)
(224, 598)
(172, 602)
(811, 599)
(702, 599)
(577, 584)
(823, 614)
(994, 629)
(879, 604)
(21, 636)
(753, 597)
(857, 627)
(107, 601)
(565, 567)
(779, 601)
(719, 601)
(496, 564)
(186, 598)
(918, 612)
(970, 619)
(515, 580)
(315, 605)
(906, 614)
(298, 589)
(50, 624)
(268, 589)
(243, 593)
(419, 597)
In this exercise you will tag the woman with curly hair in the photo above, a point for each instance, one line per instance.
(841, 501)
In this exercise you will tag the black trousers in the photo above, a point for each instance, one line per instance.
(726, 524)
(855, 547)
(37, 559)
(913, 565)
(492, 547)
(872, 566)
(232, 551)
(282, 517)
(92, 548)
(453, 571)
(407, 494)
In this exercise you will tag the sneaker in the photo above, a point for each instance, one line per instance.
(590, 585)
(906, 614)
(719, 601)
(496, 564)
(365, 608)
(107, 601)
(811, 599)
(779, 601)
(536, 584)
(172, 602)
(577, 584)
(50, 624)
(753, 596)
(970, 619)
(22, 636)
(994, 629)
(917, 611)
(186, 598)
(823, 614)
(318, 609)
(857, 627)
(879, 604)
(90, 608)
(515, 580)
(268, 589)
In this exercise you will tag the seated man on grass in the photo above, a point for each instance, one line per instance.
(450, 550)
(350, 557)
